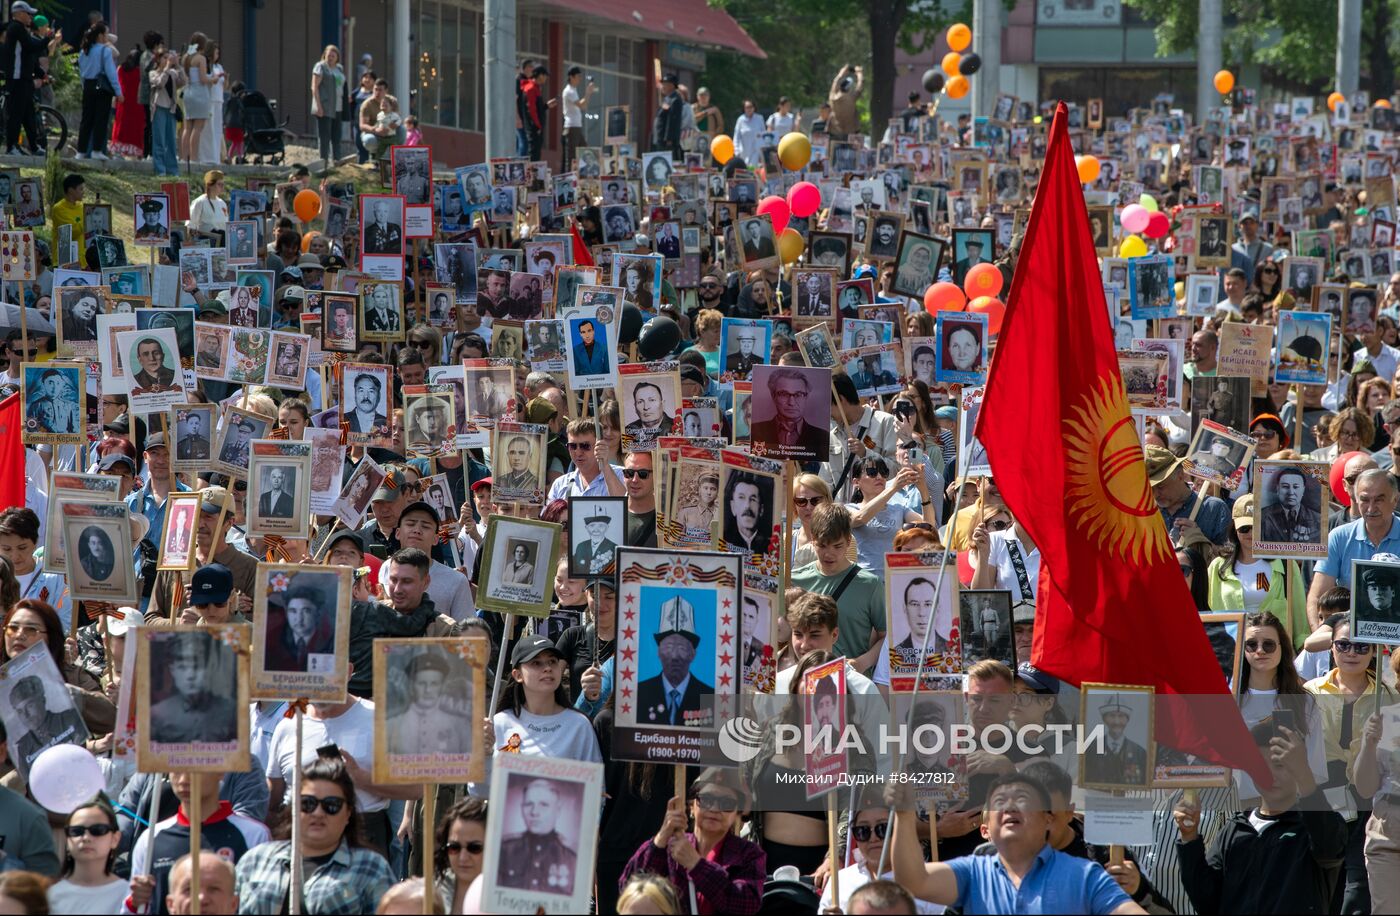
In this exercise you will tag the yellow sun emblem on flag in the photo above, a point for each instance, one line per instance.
(1108, 494)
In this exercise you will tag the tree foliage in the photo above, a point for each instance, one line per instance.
(1294, 41)
(808, 41)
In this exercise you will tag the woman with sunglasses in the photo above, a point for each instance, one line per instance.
(341, 874)
(726, 871)
(86, 883)
(1269, 683)
(427, 340)
(1239, 580)
(877, 517)
(868, 830)
(1268, 279)
(458, 850)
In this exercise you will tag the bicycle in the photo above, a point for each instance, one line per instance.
(53, 128)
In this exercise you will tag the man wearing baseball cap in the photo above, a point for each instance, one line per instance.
(151, 499)
(211, 597)
(387, 504)
(21, 50)
(216, 510)
(1249, 250)
(449, 589)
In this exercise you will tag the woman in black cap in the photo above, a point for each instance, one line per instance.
(533, 715)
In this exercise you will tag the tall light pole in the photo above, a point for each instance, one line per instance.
(1349, 46)
(500, 75)
(1208, 56)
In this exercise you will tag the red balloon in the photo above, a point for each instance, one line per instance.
(944, 297)
(1334, 477)
(777, 208)
(983, 280)
(804, 199)
(1157, 225)
(965, 570)
(994, 309)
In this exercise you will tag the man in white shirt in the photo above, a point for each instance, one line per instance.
(573, 106)
(449, 589)
(349, 726)
(589, 476)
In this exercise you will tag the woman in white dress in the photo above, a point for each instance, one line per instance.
(211, 141)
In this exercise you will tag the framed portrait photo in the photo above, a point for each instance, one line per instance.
(382, 235)
(234, 447)
(301, 632)
(650, 398)
(429, 419)
(381, 311)
(1375, 614)
(431, 698)
(985, 626)
(54, 395)
(1290, 509)
(1219, 455)
(597, 527)
(177, 540)
(36, 707)
(279, 474)
(960, 339)
(354, 497)
(339, 330)
(916, 265)
(758, 242)
(544, 823)
(814, 292)
(289, 356)
(970, 248)
(791, 409)
(97, 544)
(816, 345)
(1126, 713)
(517, 568)
(920, 615)
(364, 398)
(192, 698)
(152, 215)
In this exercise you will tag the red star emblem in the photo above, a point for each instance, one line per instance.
(629, 654)
(727, 602)
(627, 693)
(727, 619)
(626, 708)
(629, 633)
(727, 638)
(629, 615)
(631, 599)
(627, 674)
(724, 680)
(726, 659)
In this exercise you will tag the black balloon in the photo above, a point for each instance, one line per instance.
(969, 64)
(631, 324)
(933, 80)
(658, 338)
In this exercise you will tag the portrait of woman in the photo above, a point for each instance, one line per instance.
(519, 571)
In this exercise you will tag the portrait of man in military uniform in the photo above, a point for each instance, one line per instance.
(539, 859)
(52, 405)
(595, 546)
(153, 226)
(742, 353)
(40, 723)
(649, 416)
(433, 720)
(1126, 716)
(194, 696)
(383, 234)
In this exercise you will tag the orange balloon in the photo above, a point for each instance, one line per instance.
(306, 240)
(1382, 103)
(1088, 168)
(993, 308)
(722, 148)
(982, 280)
(959, 36)
(950, 63)
(957, 87)
(307, 204)
(944, 297)
(1224, 82)
(1334, 100)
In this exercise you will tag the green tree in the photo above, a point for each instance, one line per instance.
(809, 40)
(1293, 41)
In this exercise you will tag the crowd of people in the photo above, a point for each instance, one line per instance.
(891, 475)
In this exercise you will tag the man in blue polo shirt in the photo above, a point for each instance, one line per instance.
(1027, 875)
(1376, 531)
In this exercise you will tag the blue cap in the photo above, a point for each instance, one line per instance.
(1037, 680)
(946, 412)
(211, 584)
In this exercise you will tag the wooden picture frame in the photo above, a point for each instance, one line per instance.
(281, 670)
(441, 744)
(169, 737)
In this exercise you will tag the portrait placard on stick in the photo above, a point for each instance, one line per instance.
(910, 582)
(98, 536)
(1290, 509)
(517, 567)
(192, 698)
(518, 463)
(36, 707)
(54, 395)
(824, 710)
(431, 698)
(278, 490)
(1247, 349)
(301, 632)
(1375, 613)
(1219, 455)
(678, 618)
(791, 411)
(650, 400)
(177, 540)
(1125, 711)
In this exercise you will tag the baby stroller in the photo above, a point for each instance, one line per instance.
(264, 138)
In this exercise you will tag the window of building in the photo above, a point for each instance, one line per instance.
(447, 40)
(613, 63)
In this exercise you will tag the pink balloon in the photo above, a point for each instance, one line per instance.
(777, 208)
(1134, 217)
(804, 199)
(1157, 225)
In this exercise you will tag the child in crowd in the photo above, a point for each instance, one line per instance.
(233, 120)
(414, 136)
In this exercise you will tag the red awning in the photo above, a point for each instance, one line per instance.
(689, 21)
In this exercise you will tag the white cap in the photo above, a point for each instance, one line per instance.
(125, 619)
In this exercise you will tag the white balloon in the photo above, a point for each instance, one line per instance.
(65, 776)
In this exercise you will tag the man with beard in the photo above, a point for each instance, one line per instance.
(748, 513)
(1286, 519)
(886, 234)
(1123, 761)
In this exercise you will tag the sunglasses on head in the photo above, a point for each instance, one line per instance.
(639, 473)
(331, 804)
(77, 830)
(474, 847)
(863, 832)
(916, 526)
(717, 801)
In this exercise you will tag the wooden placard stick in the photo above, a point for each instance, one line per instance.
(1298, 418)
(196, 825)
(1202, 492)
(298, 877)
(832, 853)
(429, 827)
(679, 775)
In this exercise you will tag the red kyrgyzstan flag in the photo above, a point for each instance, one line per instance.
(1112, 605)
(11, 453)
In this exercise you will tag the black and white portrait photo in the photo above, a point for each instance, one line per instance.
(759, 242)
(985, 624)
(597, 527)
(98, 536)
(791, 412)
(1375, 613)
(883, 241)
(431, 692)
(649, 401)
(192, 688)
(518, 563)
(152, 212)
(235, 447)
(382, 229)
(916, 267)
(37, 710)
(381, 305)
(194, 427)
(412, 170)
(748, 507)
